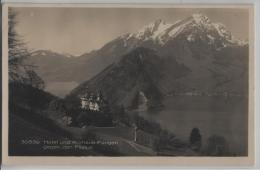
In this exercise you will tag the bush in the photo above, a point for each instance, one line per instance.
(217, 146)
(93, 118)
(195, 139)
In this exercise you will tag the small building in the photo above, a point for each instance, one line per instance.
(91, 101)
(84, 103)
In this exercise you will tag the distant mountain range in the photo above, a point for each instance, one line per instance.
(190, 55)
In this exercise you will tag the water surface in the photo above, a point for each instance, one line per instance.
(223, 116)
(60, 89)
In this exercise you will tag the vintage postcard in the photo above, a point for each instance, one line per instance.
(128, 84)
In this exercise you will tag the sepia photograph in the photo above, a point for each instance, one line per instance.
(129, 81)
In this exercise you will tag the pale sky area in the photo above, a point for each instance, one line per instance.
(80, 30)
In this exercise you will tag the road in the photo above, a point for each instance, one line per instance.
(121, 135)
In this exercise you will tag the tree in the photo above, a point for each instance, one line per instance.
(72, 105)
(217, 146)
(34, 80)
(16, 49)
(19, 70)
(195, 139)
(57, 105)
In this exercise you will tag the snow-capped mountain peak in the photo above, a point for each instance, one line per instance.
(152, 30)
(193, 27)
(49, 53)
(200, 18)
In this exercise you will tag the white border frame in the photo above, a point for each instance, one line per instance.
(160, 161)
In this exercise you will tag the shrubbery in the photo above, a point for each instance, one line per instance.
(217, 146)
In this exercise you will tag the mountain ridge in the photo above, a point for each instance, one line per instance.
(207, 49)
(162, 32)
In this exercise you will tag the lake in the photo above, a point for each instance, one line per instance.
(60, 89)
(218, 115)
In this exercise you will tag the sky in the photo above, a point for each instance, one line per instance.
(80, 30)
